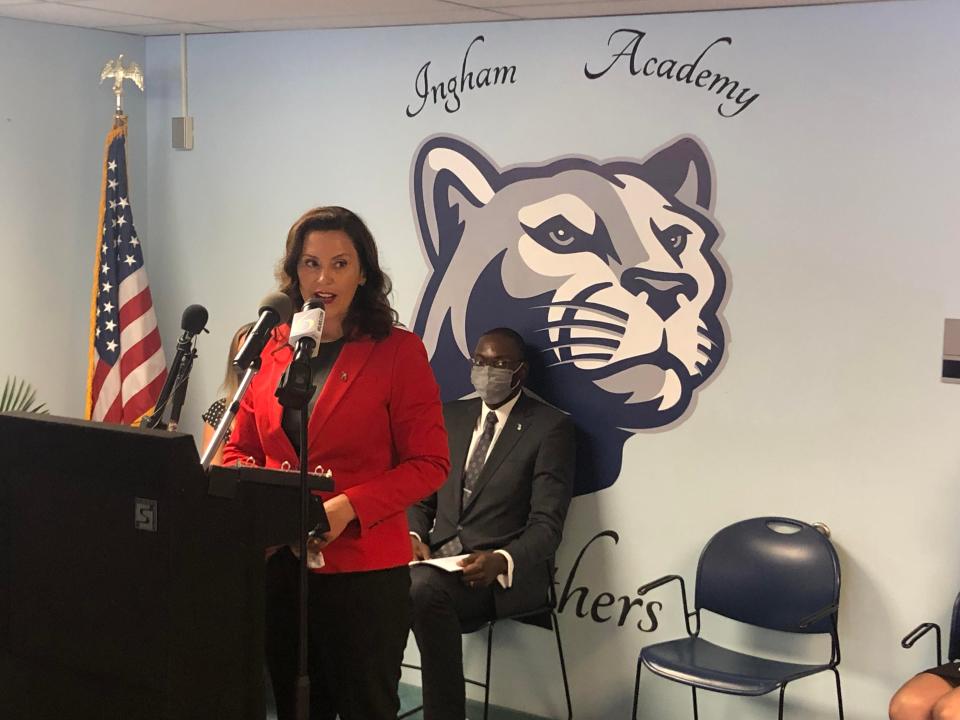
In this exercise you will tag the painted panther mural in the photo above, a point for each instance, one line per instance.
(607, 269)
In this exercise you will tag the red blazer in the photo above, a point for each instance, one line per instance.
(377, 424)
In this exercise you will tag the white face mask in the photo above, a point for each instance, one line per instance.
(493, 385)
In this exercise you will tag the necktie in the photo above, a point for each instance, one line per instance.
(471, 474)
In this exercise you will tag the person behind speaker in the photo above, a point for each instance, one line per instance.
(932, 695)
(375, 422)
(231, 381)
(503, 506)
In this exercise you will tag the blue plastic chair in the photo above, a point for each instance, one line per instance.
(953, 646)
(769, 572)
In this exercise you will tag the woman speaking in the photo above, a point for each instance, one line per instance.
(375, 421)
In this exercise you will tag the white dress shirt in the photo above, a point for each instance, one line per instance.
(502, 413)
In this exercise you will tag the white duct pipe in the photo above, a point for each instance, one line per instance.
(183, 75)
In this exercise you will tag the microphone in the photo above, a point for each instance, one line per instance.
(194, 319)
(192, 322)
(275, 309)
(296, 384)
(306, 328)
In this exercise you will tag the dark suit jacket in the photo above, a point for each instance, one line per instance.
(521, 499)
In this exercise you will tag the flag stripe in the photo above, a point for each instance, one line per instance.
(132, 286)
(134, 332)
(141, 403)
(99, 375)
(141, 352)
(109, 392)
(135, 308)
(115, 412)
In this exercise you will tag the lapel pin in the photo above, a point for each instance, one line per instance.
(519, 427)
(343, 376)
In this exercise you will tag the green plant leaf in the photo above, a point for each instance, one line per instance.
(19, 396)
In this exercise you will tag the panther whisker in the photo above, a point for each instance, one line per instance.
(594, 356)
(710, 349)
(702, 332)
(594, 324)
(586, 342)
(594, 307)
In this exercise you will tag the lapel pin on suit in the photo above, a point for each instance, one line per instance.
(343, 376)
(519, 427)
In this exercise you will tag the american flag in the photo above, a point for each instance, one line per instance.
(127, 366)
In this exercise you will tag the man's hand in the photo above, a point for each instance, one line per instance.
(421, 551)
(480, 569)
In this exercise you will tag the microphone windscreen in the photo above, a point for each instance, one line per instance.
(194, 319)
(279, 303)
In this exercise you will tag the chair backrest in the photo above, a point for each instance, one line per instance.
(953, 646)
(770, 572)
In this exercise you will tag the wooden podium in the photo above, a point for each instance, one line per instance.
(131, 582)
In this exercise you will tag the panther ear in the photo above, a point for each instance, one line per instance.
(682, 169)
(447, 172)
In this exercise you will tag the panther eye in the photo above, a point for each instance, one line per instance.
(557, 232)
(561, 236)
(673, 239)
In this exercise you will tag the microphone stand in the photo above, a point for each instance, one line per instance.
(180, 391)
(223, 427)
(183, 349)
(294, 392)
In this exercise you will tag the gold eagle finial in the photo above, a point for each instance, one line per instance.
(115, 69)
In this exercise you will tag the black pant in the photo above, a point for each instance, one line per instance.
(357, 630)
(441, 604)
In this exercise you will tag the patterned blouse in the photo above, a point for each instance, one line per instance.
(215, 412)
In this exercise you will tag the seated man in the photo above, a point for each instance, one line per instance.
(503, 506)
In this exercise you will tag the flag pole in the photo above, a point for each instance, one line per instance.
(118, 391)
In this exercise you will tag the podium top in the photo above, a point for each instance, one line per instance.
(72, 440)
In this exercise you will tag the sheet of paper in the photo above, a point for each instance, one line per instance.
(450, 564)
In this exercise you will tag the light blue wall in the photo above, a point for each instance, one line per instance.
(836, 191)
(53, 121)
(835, 188)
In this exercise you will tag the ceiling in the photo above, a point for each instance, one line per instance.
(170, 17)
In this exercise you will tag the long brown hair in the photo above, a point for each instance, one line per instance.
(370, 312)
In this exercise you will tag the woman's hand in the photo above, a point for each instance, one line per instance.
(340, 513)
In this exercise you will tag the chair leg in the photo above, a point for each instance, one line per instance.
(696, 714)
(836, 673)
(636, 688)
(783, 690)
(418, 708)
(486, 684)
(563, 665)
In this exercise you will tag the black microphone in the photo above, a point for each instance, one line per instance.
(192, 322)
(194, 319)
(275, 309)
